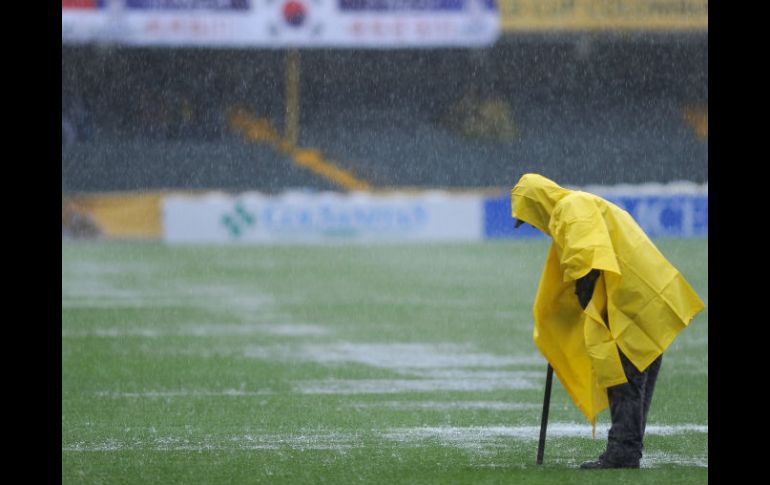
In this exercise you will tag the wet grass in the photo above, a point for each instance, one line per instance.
(270, 365)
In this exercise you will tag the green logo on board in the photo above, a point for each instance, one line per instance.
(238, 220)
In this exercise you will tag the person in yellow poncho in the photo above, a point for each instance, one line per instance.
(608, 305)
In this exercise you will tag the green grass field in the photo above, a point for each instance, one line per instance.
(381, 364)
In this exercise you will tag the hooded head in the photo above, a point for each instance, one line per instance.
(534, 198)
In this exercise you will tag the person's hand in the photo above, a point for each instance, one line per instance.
(584, 287)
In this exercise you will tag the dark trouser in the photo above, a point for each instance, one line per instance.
(629, 404)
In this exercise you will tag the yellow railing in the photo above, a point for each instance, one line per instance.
(260, 130)
(697, 117)
(603, 15)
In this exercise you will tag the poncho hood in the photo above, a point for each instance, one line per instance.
(534, 198)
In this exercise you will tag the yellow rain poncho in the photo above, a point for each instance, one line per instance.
(640, 302)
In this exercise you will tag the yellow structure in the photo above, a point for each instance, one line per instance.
(260, 130)
(119, 215)
(603, 15)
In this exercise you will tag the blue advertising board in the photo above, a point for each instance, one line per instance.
(659, 216)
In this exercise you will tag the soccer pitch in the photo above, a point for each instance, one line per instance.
(349, 364)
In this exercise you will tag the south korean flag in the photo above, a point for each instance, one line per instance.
(298, 22)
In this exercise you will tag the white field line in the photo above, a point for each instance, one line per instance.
(100, 285)
(486, 434)
(298, 441)
(94, 269)
(424, 301)
(475, 374)
(431, 367)
(209, 330)
(392, 356)
(446, 405)
(696, 365)
(390, 386)
(106, 297)
(295, 329)
(184, 393)
(690, 342)
(473, 439)
(657, 458)
(393, 405)
(649, 460)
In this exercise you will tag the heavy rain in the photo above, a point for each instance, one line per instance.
(288, 247)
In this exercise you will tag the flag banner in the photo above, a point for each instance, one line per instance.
(282, 23)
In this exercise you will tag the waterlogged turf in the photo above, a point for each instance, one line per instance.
(381, 364)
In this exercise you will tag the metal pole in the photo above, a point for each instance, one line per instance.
(544, 418)
(291, 131)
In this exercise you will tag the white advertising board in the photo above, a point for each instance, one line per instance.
(325, 217)
(282, 23)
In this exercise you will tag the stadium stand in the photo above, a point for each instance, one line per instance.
(581, 110)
